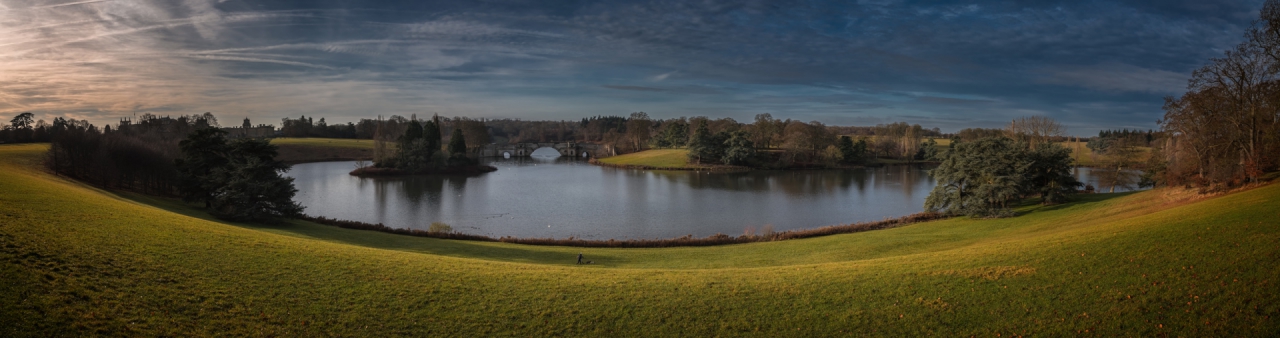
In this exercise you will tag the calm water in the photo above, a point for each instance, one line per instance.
(562, 197)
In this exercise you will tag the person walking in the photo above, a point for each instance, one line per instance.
(579, 258)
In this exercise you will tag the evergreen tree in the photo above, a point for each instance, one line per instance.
(431, 134)
(700, 143)
(859, 151)
(457, 144)
(239, 181)
(1049, 173)
(928, 151)
(715, 149)
(739, 150)
(251, 187)
(847, 152)
(203, 152)
(979, 178)
(677, 134)
(413, 153)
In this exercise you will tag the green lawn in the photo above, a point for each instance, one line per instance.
(75, 260)
(654, 158)
(324, 142)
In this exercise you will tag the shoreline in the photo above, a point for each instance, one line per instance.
(738, 169)
(686, 241)
(648, 167)
(389, 172)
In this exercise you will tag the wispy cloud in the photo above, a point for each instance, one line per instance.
(954, 65)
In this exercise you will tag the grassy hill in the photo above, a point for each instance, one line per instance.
(75, 260)
(299, 150)
(654, 158)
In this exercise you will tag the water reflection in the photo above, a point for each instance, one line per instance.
(1088, 176)
(565, 196)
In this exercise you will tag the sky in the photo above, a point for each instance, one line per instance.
(1089, 64)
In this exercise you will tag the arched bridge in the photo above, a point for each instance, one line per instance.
(565, 148)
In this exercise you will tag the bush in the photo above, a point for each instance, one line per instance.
(439, 228)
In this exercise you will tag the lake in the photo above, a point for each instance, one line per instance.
(563, 197)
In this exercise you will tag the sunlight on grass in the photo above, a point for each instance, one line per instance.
(324, 142)
(76, 260)
(656, 158)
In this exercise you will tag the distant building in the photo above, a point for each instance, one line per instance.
(261, 131)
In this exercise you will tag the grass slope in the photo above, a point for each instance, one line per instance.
(75, 260)
(300, 150)
(323, 142)
(654, 158)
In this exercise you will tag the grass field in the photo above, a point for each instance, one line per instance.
(324, 142)
(75, 260)
(300, 150)
(654, 158)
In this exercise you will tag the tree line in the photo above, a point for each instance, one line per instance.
(187, 156)
(1225, 130)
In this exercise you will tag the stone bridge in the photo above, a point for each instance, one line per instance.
(565, 148)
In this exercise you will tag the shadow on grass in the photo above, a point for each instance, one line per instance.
(379, 240)
(1077, 200)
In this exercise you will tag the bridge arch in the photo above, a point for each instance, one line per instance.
(570, 149)
(546, 152)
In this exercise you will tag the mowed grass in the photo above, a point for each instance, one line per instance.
(655, 158)
(324, 142)
(75, 260)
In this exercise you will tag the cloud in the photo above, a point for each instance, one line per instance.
(1118, 77)
(952, 100)
(931, 61)
(678, 90)
(635, 88)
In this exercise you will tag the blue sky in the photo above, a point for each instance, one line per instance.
(952, 65)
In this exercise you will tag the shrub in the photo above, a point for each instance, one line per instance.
(439, 227)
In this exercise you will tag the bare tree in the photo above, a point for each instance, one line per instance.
(638, 130)
(1034, 130)
(1245, 79)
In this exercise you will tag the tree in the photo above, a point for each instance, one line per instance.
(847, 152)
(204, 152)
(638, 130)
(974, 134)
(860, 151)
(700, 144)
(238, 181)
(832, 156)
(413, 152)
(1226, 128)
(250, 187)
(22, 121)
(1049, 173)
(739, 150)
(979, 178)
(929, 151)
(899, 140)
(475, 131)
(1265, 34)
(457, 144)
(1034, 130)
(676, 133)
(1116, 167)
(432, 136)
(765, 130)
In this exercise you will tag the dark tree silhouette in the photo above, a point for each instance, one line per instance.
(203, 153)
